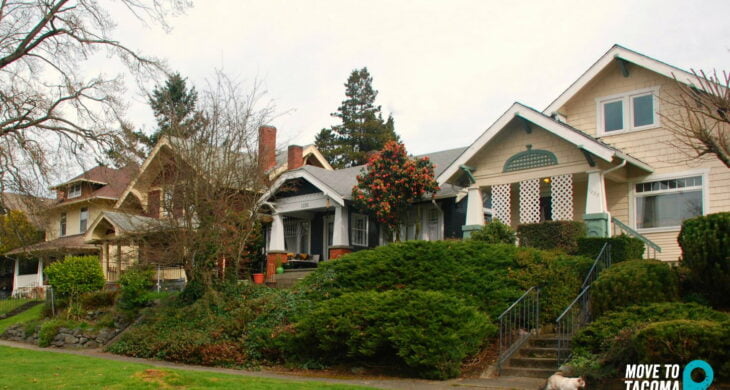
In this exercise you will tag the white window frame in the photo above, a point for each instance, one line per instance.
(427, 224)
(298, 231)
(353, 229)
(63, 225)
(166, 202)
(74, 190)
(83, 223)
(627, 100)
(705, 188)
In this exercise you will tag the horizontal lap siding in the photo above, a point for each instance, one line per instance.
(655, 147)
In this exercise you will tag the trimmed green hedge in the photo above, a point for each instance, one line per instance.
(633, 282)
(681, 341)
(623, 247)
(495, 232)
(426, 332)
(705, 243)
(561, 235)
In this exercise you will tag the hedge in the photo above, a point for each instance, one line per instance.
(494, 232)
(623, 247)
(562, 235)
(705, 243)
(426, 332)
(633, 282)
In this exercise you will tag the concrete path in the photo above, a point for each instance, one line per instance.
(504, 383)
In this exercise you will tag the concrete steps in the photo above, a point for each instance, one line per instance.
(290, 277)
(538, 358)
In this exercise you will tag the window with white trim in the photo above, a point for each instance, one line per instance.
(74, 190)
(631, 111)
(432, 224)
(83, 219)
(62, 227)
(667, 203)
(359, 230)
(296, 235)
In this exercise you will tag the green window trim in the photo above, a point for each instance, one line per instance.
(530, 159)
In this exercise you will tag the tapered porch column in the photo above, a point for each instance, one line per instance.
(341, 234)
(16, 270)
(474, 211)
(597, 217)
(277, 248)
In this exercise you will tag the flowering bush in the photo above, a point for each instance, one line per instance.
(391, 183)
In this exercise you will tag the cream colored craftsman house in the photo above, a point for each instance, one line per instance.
(598, 153)
(78, 201)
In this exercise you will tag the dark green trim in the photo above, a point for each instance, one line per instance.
(526, 125)
(530, 159)
(589, 157)
(624, 67)
(469, 173)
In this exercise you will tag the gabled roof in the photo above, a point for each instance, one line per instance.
(338, 183)
(126, 224)
(622, 53)
(112, 183)
(62, 245)
(562, 130)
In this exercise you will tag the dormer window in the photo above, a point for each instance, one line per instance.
(635, 110)
(74, 190)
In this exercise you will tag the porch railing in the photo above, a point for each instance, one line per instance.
(651, 247)
(518, 323)
(578, 313)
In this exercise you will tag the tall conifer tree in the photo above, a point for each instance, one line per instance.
(362, 129)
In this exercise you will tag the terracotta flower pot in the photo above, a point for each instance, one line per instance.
(258, 278)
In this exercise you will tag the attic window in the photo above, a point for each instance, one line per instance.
(530, 159)
(74, 190)
(635, 110)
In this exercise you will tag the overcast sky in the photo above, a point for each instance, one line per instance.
(445, 69)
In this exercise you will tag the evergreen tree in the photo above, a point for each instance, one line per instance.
(174, 105)
(362, 129)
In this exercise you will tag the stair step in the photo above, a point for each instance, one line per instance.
(548, 342)
(528, 372)
(540, 352)
(531, 362)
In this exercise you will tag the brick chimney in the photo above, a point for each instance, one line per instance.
(267, 147)
(295, 158)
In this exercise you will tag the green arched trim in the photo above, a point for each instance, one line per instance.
(530, 159)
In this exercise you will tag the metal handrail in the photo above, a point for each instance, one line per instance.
(603, 258)
(570, 321)
(626, 228)
(517, 323)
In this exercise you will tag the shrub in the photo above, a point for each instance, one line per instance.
(75, 275)
(474, 270)
(559, 277)
(705, 243)
(49, 329)
(135, 288)
(599, 336)
(633, 282)
(495, 232)
(561, 235)
(97, 299)
(623, 247)
(681, 341)
(428, 332)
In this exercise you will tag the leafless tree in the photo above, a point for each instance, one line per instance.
(210, 183)
(50, 105)
(700, 120)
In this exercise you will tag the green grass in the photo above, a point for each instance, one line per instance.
(25, 369)
(31, 314)
(6, 305)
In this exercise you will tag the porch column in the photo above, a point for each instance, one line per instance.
(596, 218)
(341, 234)
(15, 276)
(501, 203)
(40, 272)
(530, 201)
(277, 248)
(474, 211)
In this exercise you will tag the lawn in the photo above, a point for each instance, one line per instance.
(28, 315)
(6, 305)
(25, 369)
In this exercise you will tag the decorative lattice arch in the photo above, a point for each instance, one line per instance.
(530, 159)
(501, 203)
(562, 197)
(530, 201)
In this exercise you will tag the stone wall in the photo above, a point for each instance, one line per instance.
(68, 338)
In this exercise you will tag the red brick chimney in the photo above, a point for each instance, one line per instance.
(295, 158)
(267, 147)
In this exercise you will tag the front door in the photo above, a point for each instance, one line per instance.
(329, 228)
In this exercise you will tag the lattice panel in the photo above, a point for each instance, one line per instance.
(501, 203)
(562, 197)
(530, 201)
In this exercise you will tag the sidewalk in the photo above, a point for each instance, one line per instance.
(490, 384)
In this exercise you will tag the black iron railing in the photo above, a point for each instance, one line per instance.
(516, 324)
